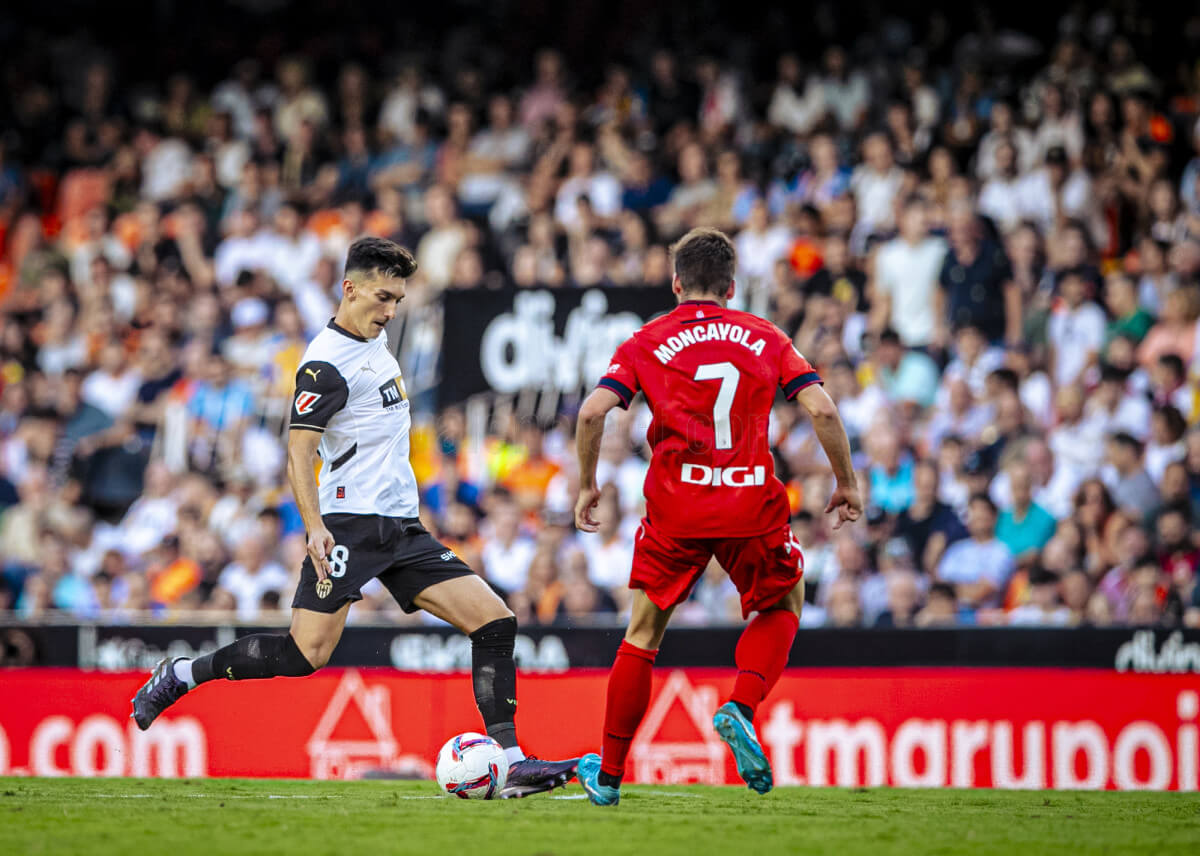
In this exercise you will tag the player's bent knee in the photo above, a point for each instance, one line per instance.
(315, 650)
(793, 601)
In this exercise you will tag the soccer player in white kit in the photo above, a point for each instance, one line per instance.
(351, 409)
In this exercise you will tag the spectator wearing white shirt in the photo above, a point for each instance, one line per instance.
(845, 92)
(292, 250)
(759, 246)
(1055, 193)
(507, 553)
(492, 154)
(1075, 442)
(907, 296)
(113, 386)
(1033, 386)
(791, 109)
(875, 183)
(974, 359)
(1053, 486)
(978, 567)
(1113, 407)
(1004, 131)
(251, 574)
(1060, 126)
(1000, 198)
(1075, 331)
(446, 238)
(166, 164)
(583, 179)
(609, 551)
(243, 248)
(858, 407)
(1166, 446)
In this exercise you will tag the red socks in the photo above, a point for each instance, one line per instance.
(628, 698)
(761, 655)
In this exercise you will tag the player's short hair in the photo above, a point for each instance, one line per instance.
(704, 261)
(380, 256)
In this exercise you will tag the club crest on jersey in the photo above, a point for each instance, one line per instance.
(324, 588)
(305, 401)
(393, 392)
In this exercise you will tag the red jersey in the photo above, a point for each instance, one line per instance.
(710, 375)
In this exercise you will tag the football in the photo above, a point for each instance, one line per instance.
(472, 766)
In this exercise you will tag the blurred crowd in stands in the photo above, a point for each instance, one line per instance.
(988, 243)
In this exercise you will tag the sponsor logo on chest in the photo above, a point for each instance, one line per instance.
(393, 394)
(723, 476)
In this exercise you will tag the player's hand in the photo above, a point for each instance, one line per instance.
(589, 498)
(848, 504)
(320, 544)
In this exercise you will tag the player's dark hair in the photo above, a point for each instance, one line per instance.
(380, 256)
(704, 261)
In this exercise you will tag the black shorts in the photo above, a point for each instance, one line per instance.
(398, 550)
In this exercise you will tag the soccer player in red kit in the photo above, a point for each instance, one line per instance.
(710, 376)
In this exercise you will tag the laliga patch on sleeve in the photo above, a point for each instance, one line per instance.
(305, 401)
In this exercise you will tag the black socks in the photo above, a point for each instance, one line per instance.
(261, 655)
(494, 677)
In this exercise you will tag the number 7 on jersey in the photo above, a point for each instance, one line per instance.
(728, 374)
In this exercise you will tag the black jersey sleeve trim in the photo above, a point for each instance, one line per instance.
(622, 391)
(344, 458)
(793, 386)
(301, 427)
(321, 392)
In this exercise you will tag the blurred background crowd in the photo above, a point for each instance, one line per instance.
(985, 236)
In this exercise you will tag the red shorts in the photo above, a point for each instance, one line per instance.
(764, 568)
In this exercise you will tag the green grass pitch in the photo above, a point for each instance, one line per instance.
(224, 816)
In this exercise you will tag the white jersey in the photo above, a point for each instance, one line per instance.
(350, 389)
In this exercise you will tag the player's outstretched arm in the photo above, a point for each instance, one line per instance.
(589, 429)
(846, 500)
(301, 471)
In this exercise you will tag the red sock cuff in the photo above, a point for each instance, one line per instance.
(632, 650)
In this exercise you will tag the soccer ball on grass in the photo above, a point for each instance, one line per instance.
(472, 766)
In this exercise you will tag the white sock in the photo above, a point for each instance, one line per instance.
(514, 754)
(183, 671)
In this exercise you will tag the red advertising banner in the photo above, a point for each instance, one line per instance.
(1008, 728)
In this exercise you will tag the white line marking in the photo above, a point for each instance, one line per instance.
(570, 797)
